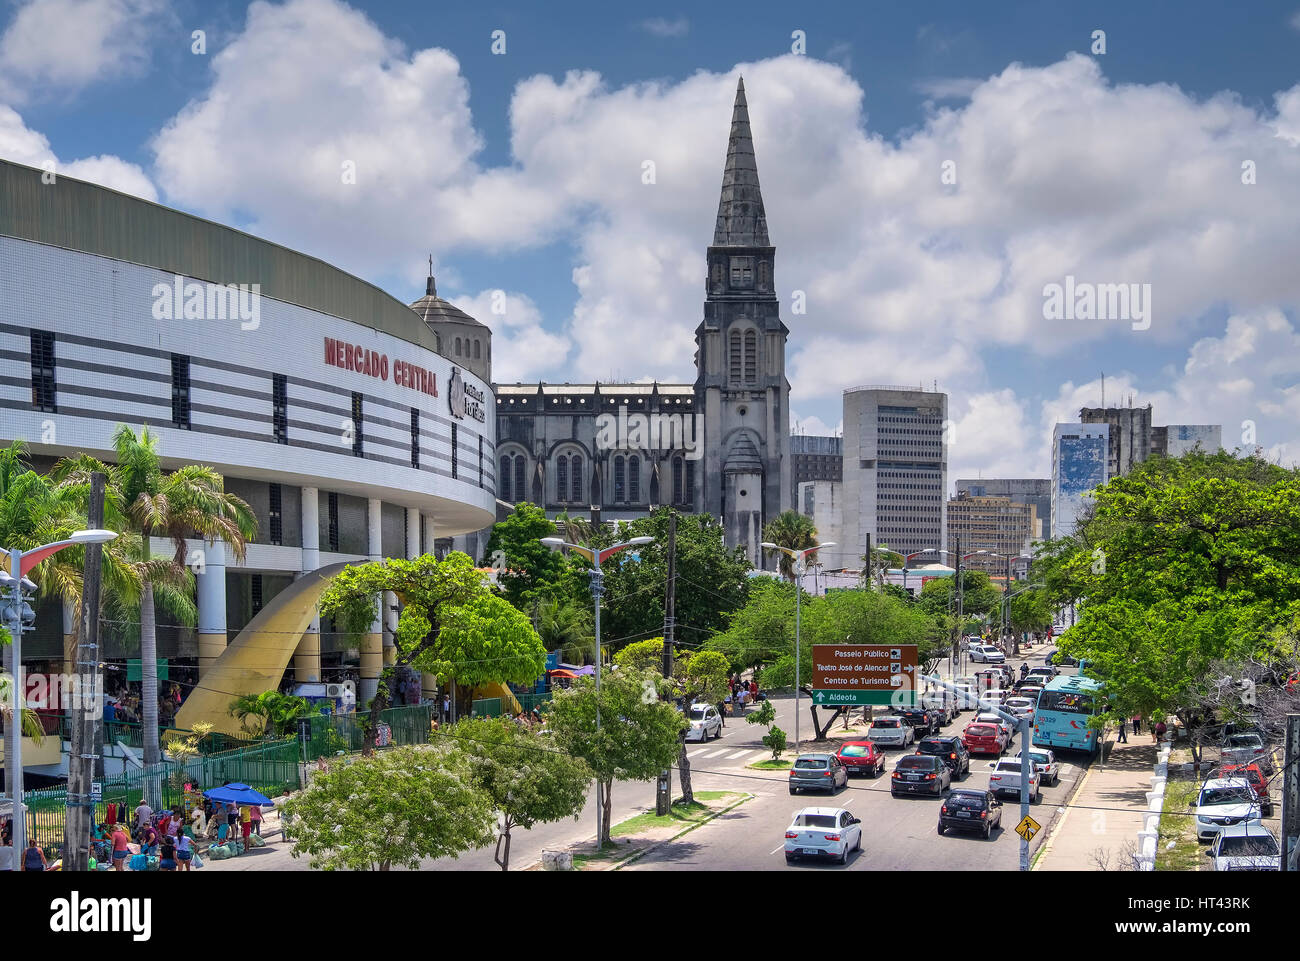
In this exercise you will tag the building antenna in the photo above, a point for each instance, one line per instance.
(1103, 390)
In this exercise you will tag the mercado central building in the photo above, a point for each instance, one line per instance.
(356, 426)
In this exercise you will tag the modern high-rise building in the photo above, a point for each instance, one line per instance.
(1079, 459)
(814, 458)
(997, 525)
(1133, 438)
(1178, 439)
(895, 468)
(1036, 491)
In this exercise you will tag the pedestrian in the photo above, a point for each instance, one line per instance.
(1160, 731)
(246, 823)
(34, 858)
(722, 711)
(184, 851)
(1137, 723)
(148, 839)
(255, 816)
(753, 690)
(727, 703)
(143, 813)
(232, 820)
(446, 709)
(121, 847)
(6, 856)
(167, 858)
(1123, 733)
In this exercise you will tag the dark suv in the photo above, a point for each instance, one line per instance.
(923, 721)
(965, 809)
(954, 753)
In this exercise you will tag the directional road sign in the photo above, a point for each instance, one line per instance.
(864, 674)
(1028, 827)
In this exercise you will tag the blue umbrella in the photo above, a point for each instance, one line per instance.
(238, 794)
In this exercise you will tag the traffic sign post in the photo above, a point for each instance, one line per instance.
(1027, 828)
(851, 674)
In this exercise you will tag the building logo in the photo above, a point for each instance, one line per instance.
(465, 400)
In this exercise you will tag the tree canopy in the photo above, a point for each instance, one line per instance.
(793, 530)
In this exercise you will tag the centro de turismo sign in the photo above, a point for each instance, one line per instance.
(372, 363)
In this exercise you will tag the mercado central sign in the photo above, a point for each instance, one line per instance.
(374, 364)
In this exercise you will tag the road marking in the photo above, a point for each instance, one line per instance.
(713, 754)
(774, 850)
(739, 754)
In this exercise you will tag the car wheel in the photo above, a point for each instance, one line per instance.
(988, 830)
(789, 858)
(857, 845)
(794, 790)
(941, 829)
(844, 855)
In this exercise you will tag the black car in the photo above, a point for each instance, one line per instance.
(920, 774)
(924, 721)
(952, 749)
(970, 810)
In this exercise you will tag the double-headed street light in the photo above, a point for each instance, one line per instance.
(799, 567)
(597, 590)
(15, 589)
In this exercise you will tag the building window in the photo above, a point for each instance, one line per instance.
(256, 591)
(764, 275)
(276, 514)
(457, 346)
(577, 479)
(562, 477)
(735, 357)
(634, 479)
(333, 532)
(503, 479)
(43, 388)
(690, 483)
(280, 407)
(358, 446)
(181, 391)
(415, 437)
(620, 477)
(751, 357)
(478, 350)
(521, 465)
(677, 481)
(454, 452)
(742, 271)
(717, 275)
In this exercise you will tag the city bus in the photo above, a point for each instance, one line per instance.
(1061, 718)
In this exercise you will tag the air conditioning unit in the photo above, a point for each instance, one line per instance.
(333, 690)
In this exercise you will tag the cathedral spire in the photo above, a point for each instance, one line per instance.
(741, 219)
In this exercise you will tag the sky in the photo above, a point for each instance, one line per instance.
(931, 172)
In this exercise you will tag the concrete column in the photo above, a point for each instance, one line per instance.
(372, 647)
(212, 605)
(306, 660)
(428, 682)
(412, 534)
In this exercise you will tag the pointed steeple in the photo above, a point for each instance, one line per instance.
(741, 218)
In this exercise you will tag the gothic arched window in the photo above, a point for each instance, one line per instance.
(521, 489)
(478, 349)
(751, 357)
(457, 346)
(503, 479)
(577, 479)
(764, 275)
(678, 488)
(561, 477)
(620, 486)
(634, 479)
(734, 358)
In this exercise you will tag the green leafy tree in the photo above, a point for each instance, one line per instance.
(761, 630)
(566, 625)
(528, 781)
(399, 806)
(795, 531)
(775, 742)
(527, 570)
(270, 714)
(639, 735)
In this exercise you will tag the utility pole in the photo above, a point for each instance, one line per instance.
(87, 711)
(868, 570)
(1291, 796)
(959, 598)
(664, 794)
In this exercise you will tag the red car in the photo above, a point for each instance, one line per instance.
(861, 757)
(984, 739)
(1258, 783)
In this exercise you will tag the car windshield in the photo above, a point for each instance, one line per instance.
(815, 821)
(885, 722)
(934, 747)
(970, 801)
(697, 714)
(1254, 845)
(1019, 702)
(980, 730)
(1038, 757)
(1225, 795)
(914, 763)
(809, 762)
(1067, 702)
(1244, 740)
(854, 750)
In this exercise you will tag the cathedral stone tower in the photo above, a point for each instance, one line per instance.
(740, 382)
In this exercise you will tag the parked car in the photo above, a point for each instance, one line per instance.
(1020, 707)
(984, 738)
(861, 757)
(920, 774)
(1235, 746)
(705, 721)
(986, 654)
(1246, 847)
(952, 749)
(1254, 775)
(823, 833)
(1045, 762)
(891, 731)
(1063, 660)
(1005, 776)
(817, 772)
(965, 809)
(1223, 802)
(924, 722)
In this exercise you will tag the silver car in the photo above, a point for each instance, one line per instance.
(705, 721)
(891, 731)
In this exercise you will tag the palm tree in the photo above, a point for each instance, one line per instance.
(566, 626)
(31, 722)
(277, 713)
(191, 500)
(795, 531)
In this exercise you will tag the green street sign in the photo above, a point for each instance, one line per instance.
(898, 698)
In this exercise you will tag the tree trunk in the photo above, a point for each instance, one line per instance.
(149, 691)
(684, 774)
(608, 806)
(503, 857)
(383, 865)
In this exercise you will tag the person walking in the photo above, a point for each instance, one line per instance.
(167, 858)
(34, 857)
(1137, 723)
(121, 847)
(6, 856)
(446, 709)
(1123, 733)
(143, 813)
(184, 851)
(255, 816)
(1160, 731)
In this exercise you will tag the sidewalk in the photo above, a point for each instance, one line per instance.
(1099, 828)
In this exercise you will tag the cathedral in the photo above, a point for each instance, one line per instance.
(719, 445)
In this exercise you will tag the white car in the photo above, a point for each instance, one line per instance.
(1246, 847)
(891, 731)
(986, 654)
(991, 699)
(823, 833)
(1005, 776)
(1224, 802)
(705, 721)
(1020, 707)
(1045, 762)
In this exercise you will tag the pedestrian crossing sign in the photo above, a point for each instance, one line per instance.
(1028, 827)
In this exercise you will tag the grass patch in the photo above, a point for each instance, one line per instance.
(679, 815)
(1177, 825)
(711, 795)
(770, 765)
(607, 853)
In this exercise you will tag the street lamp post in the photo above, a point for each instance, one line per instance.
(798, 592)
(19, 613)
(597, 591)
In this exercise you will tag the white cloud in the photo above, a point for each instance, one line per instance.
(663, 27)
(59, 46)
(521, 348)
(814, 426)
(20, 144)
(949, 88)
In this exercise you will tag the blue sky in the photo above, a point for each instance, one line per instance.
(520, 172)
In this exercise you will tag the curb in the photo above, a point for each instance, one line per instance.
(699, 824)
(1057, 825)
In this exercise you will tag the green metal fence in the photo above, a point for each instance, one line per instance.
(486, 707)
(534, 702)
(130, 734)
(323, 736)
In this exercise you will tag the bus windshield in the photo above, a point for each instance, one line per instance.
(1068, 702)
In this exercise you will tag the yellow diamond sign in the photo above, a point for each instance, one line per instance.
(1028, 827)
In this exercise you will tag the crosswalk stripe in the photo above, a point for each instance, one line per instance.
(739, 754)
(713, 754)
